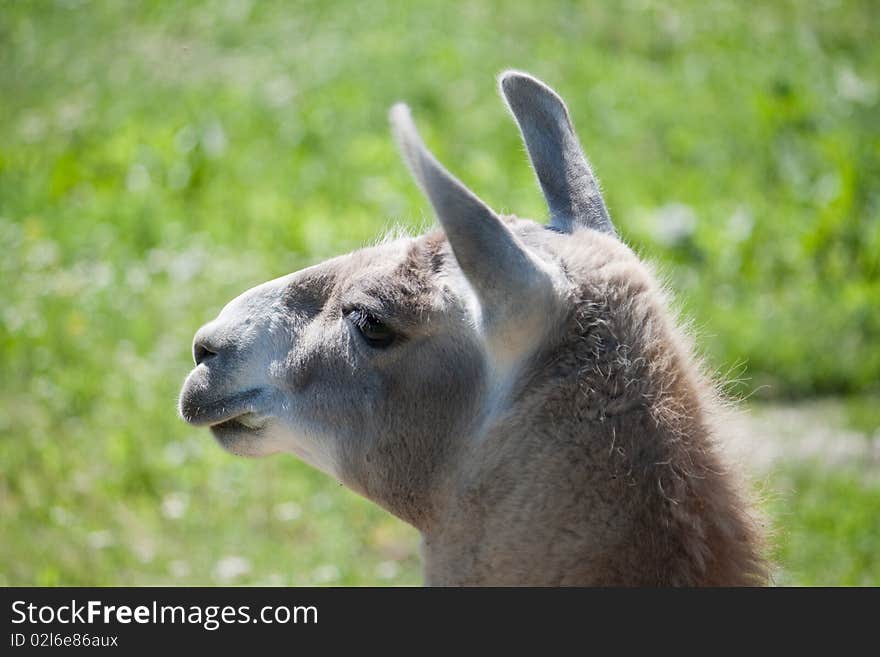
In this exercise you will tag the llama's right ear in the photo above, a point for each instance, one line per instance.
(569, 186)
(510, 283)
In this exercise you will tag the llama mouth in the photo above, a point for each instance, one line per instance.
(240, 409)
(246, 422)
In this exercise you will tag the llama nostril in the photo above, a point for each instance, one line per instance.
(201, 352)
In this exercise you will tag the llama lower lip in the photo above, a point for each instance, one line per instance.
(247, 422)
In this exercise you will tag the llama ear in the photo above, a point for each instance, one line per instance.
(571, 190)
(508, 280)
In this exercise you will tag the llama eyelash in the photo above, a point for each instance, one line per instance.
(374, 331)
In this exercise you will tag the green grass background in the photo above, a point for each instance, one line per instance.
(158, 158)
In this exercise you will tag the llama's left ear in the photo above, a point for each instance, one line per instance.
(570, 188)
(512, 286)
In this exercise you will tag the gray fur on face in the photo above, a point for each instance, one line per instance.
(535, 413)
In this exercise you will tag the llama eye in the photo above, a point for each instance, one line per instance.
(376, 333)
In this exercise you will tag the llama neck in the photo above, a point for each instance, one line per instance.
(549, 499)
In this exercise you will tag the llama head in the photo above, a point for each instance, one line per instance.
(376, 365)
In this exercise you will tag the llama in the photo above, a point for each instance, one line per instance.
(518, 392)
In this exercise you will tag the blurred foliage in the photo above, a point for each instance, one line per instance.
(828, 527)
(158, 158)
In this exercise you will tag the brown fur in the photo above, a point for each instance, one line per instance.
(605, 468)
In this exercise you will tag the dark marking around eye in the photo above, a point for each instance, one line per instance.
(375, 332)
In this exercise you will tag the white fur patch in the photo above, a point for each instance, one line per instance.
(316, 451)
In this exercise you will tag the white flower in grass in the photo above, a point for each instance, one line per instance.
(178, 568)
(214, 140)
(101, 539)
(174, 506)
(287, 511)
(138, 178)
(326, 573)
(228, 568)
(387, 570)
